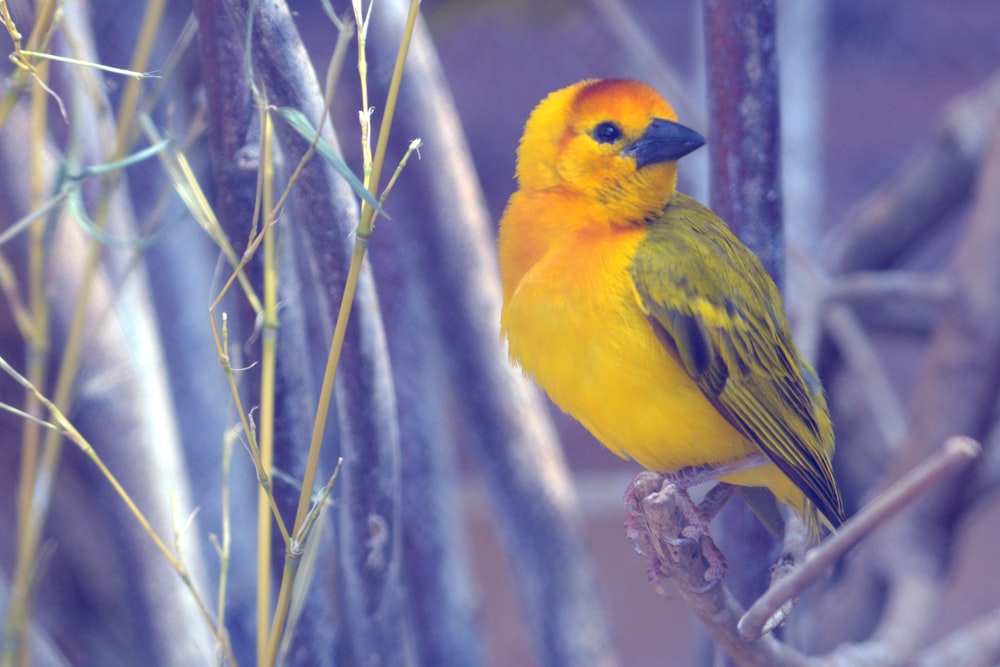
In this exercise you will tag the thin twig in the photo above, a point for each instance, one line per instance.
(958, 452)
(882, 286)
(82, 63)
(886, 406)
(844, 327)
(362, 236)
(656, 527)
(67, 429)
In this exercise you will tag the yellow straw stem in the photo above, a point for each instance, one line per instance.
(265, 433)
(367, 212)
(362, 236)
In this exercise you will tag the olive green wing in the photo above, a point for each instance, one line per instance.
(718, 311)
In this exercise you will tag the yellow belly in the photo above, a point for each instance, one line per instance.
(574, 323)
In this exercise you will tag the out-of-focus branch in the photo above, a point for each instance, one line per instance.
(233, 130)
(974, 645)
(505, 422)
(744, 125)
(744, 147)
(446, 630)
(882, 288)
(122, 358)
(44, 651)
(886, 406)
(234, 159)
(954, 393)
(324, 213)
(956, 388)
(930, 184)
(958, 453)
(890, 220)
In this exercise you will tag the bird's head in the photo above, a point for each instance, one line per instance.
(614, 140)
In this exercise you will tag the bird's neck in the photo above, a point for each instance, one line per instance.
(535, 221)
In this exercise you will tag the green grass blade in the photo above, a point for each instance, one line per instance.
(301, 124)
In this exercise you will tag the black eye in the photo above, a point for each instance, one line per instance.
(607, 133)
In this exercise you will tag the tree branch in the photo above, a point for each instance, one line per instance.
(957, 454)
(935, 180)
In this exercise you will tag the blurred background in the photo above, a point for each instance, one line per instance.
(867, 89)
(874, 79)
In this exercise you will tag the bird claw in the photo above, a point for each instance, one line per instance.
(782, 568)
(663, 531)
(694, 532)
(717, 566)
(697, 530)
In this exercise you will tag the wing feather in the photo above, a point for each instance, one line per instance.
(715, 307)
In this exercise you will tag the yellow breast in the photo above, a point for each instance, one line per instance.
(574, 323)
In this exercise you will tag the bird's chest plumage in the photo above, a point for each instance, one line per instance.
(575, 324)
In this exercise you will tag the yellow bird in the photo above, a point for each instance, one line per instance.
(641, 314)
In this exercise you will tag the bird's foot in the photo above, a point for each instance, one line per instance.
(663, 524)
(698, 517)
(785, 565)
(637, 530)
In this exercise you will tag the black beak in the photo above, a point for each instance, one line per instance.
(663, 140)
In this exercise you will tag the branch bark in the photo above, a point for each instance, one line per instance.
(744, 135)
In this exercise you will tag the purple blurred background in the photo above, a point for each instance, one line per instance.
(887, 72)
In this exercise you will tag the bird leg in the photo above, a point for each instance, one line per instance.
(699, 516)
(690, 526)
(666, 526)
(715, 500)
(653, 526)
(695, 475)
